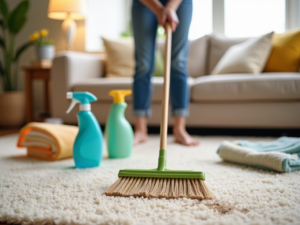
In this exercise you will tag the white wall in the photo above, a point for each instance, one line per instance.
(105, 19)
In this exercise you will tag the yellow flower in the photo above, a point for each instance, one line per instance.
(34, 36)
(44, 32)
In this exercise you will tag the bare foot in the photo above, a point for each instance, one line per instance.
(182, 137)
(140, 133)
(139, 137)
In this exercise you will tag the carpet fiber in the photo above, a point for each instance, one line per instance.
(40, 192)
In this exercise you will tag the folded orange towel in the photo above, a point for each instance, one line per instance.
(48, 141)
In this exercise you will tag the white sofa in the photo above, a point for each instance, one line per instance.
(267, 100)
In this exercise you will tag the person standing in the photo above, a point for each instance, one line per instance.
(146, 15)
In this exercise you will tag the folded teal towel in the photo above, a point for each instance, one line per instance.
(275, 155)
(290, 145)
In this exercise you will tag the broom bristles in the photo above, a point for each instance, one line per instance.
(160, 188)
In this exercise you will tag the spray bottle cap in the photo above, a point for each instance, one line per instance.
(119, 95)
(84, 98)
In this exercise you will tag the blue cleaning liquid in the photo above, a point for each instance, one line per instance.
(87, 151)
(88, 145)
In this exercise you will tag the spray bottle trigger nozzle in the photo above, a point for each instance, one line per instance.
(73, 103)
(69, 95)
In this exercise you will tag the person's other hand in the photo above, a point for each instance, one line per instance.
(165, 15)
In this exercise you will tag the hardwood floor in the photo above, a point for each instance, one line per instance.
(7, 131)
(3, 223)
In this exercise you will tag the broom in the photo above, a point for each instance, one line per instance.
(161, 182)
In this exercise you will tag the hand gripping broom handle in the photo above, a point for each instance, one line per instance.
(165, 101)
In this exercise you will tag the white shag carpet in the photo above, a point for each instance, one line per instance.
(41, 192)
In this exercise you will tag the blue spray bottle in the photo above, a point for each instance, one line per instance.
(87, 149)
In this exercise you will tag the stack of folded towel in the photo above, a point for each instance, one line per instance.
(48, 141)
(280, 155)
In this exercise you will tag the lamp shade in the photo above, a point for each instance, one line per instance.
(61, 9)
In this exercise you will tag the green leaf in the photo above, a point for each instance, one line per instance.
(22, 49)
(2, 24)
(18, 24)
(17, 17)
(4, 10)
(2, 43)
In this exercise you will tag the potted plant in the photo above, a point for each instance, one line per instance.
(44, 46)
(12, 102)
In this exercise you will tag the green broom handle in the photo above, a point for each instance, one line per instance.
(165, 100)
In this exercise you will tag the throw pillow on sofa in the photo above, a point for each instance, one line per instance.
(247, 57)
(120, 57)
(285, 54)
(197, 60)
(218, 45)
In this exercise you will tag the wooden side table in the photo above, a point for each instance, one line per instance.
(35, 73)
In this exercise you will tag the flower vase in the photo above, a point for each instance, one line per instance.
(45, 52)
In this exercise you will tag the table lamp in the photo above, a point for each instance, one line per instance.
(68, 10)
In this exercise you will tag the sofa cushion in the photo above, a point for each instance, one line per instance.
(245, 87)
(197, 57)
(120, 57)
(247, 57)
(219, 44)
(285, 54)
(101, 86)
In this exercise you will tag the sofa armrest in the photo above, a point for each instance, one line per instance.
(68, 69)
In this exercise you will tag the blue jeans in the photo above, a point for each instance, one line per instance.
(144, 25)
